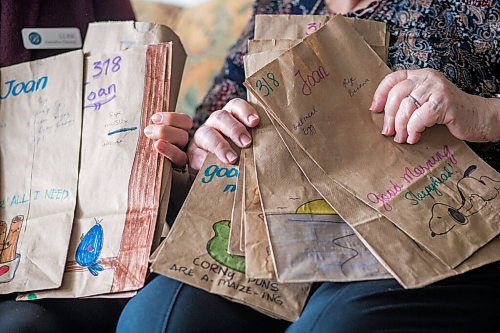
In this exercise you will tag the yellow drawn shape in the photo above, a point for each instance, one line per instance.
(319, 206)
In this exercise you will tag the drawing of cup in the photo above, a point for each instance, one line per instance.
(8, 269)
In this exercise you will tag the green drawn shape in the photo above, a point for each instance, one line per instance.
(32, 296)
(217, 248)
(319, 206)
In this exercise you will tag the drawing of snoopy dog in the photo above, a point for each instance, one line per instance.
(475, 193)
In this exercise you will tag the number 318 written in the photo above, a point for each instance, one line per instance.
(266, 84)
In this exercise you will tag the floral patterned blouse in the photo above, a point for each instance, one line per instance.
(458, 38)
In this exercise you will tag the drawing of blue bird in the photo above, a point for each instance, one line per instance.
(89, 249)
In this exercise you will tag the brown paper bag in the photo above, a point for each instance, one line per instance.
(237, 217)
(293, 27)
(40, 127)
(120, 174)
(123, 35)
(195, 251)
(243, 199)
(409, 263)
(341, 36)
(258, 258)
(115, 36)
(309, 240)
(266, 45)
(290, 268)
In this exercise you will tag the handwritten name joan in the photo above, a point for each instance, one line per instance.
(15, 88)
(311, 79)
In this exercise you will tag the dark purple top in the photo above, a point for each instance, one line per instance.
(18, 14)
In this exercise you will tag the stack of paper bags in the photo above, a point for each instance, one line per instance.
(195, 251)
(222, 220)
(114, 182)
(425, 212)
(299, 237)
(322, 195)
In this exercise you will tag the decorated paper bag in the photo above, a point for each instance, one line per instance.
(309, 240)
(351, 87)
(276, 187)
(195, 251)
(40, 127)
(120, 173)
(409, 263)
(237, 216)
(293, 27)
(117, 36)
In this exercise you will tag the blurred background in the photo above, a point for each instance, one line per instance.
(207, 29)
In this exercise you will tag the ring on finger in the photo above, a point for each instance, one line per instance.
(415, 101)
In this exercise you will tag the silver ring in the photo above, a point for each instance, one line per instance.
(415, 101)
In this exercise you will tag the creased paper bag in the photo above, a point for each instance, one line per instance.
(117, 36)
(351, 93)
(294, 27)
(258, 256)
(195, 251)
(309, 240)
(233, 246)
(120, 173)
(40, 126)
(409, 263)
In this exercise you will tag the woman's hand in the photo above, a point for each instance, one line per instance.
(416, 99)
(231, 122)
(170, 132)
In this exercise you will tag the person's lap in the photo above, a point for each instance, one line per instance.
(468, 302)
(166, 305)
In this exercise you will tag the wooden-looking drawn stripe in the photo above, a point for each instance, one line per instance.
(145, 182)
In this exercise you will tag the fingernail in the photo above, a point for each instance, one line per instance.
(245, 140)
(231, 157)
(156, 118)
(148, 130)
(161, 146)
(398, 138)
(372, 106)
(251, 118)
(385, 130)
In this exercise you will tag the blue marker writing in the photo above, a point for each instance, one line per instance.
(15, 89)
(121, 130)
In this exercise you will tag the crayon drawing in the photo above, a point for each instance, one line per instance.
(9, 258)
(88, 251)
(217, 248)
(315, 243)
(475, 194)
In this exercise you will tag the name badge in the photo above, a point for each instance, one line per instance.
(51, 38)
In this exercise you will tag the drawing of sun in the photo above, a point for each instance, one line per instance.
(316, 207)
